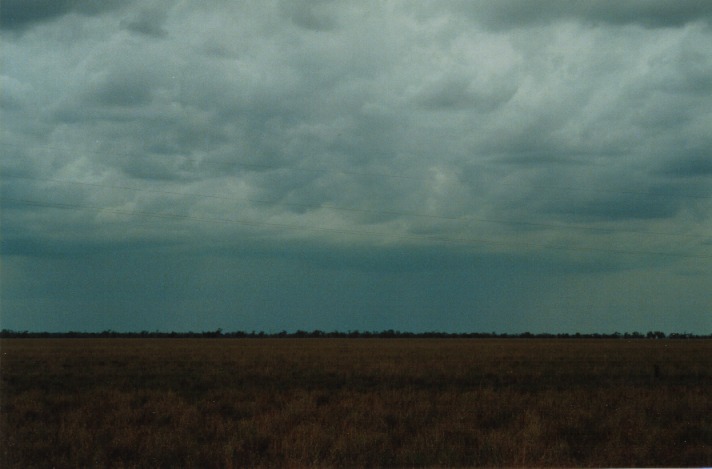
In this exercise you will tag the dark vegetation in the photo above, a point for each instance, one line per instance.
(318, 334)
(93, 402)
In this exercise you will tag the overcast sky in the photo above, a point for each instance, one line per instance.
(502, 166)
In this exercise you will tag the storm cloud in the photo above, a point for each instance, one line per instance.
(271, 165)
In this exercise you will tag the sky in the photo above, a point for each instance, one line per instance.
(456, 166)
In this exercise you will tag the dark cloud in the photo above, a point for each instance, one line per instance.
(615, 208)
(148, 21)
(22, 14)
(647, 13)
(313, 15)
(692, 166)
(472, 160)
(117, 90)
(460, 94)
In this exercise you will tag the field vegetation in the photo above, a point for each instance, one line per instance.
(355, 402)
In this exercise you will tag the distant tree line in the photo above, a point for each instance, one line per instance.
(318, 334)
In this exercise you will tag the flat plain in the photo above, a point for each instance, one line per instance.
(355, 402)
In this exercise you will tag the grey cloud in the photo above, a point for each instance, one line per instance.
(675, 79)
(689, 71)
(14, 94)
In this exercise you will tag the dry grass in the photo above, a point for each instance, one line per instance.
(340, 402)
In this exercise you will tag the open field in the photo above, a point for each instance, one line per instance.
(361, 402)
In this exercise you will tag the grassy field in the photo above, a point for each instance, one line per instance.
(340, 402)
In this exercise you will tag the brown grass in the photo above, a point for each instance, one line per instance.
(340, 402)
